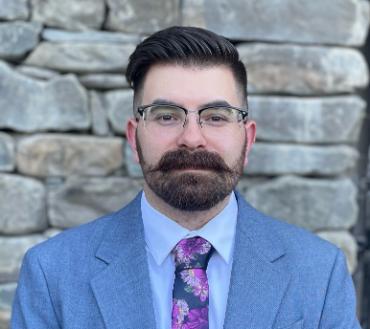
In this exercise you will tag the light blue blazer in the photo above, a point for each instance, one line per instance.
(96, 276)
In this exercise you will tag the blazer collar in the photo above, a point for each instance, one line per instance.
(257, 283)
(122, 290)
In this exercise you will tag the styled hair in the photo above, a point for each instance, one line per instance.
(186, 46)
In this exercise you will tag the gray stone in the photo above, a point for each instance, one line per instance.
(104, 81)
(55, 35)
(345, 241)
(18, 38)
(277, 159)
(119, 105)
(368, 204)
(61, 155)
(315, 204)
(303, 70)
(52, 181)
(52, 232)
(368, 166)
(343, 22)
(140, 16)
(308, 120)
(4, 323)
(249, 182)
(14, 9)
(193, 13)
(22, 204)
(84, 199)
(4, 320)
(69, 14)
(81, 57)
(100, 124)
(7, 154)
(7, 292)
(12, 250)
(37, 72)
(133, 168)
(29, 105)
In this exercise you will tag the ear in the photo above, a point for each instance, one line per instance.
(131, 129)
(250, 129)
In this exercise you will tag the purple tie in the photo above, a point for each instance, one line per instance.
(190, 290)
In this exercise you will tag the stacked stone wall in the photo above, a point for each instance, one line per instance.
(64, 101)
(365, 303)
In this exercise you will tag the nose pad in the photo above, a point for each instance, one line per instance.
(192, 135)
(200, 123)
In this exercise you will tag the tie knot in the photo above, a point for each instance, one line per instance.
(192, 253)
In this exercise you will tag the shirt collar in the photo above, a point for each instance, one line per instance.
(163, 233)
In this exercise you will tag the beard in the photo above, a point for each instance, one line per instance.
(191, 191)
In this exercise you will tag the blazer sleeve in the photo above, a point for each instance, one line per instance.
(340, 302)
(32, 306)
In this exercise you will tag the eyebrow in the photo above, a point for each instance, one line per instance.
(164, 101)
(209, 104)
(216, 103)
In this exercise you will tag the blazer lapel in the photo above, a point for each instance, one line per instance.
(122, 289)
(257, 285)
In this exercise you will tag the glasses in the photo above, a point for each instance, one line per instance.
(174, 116)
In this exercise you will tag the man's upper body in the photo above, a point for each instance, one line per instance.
(97, 276)
(191, 134)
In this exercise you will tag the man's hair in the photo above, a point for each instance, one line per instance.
(186, 46)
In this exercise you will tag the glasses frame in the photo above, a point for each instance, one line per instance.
(244, 112)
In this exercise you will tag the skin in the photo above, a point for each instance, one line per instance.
(191, 87)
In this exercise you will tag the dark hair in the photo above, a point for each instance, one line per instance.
(184, 46)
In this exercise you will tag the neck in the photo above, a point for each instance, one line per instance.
(192, 220)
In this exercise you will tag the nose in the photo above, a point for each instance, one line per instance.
(191, 135)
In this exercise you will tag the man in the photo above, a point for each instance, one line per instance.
(188, 252)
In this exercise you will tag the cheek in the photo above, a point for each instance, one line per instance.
(152, 149)
(229, 145)
(230, 151)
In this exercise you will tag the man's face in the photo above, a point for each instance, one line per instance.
(192, 168)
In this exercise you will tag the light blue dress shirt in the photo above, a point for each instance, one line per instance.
(161, 236)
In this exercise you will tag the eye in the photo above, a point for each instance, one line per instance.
(216, 116)
(165, 115)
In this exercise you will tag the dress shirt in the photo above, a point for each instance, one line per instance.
(161, 236)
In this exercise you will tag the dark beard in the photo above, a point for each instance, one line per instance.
(191, 191)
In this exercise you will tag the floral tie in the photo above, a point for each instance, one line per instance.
(190, 290)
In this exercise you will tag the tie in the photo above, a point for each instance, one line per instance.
(190, 290)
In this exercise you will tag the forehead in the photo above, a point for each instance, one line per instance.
(190, 86)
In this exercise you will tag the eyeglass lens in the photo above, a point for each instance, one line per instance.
(169, 115)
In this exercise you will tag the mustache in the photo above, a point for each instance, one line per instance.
(185, 159)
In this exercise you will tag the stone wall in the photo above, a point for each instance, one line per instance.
(366, 256)
(64, 101)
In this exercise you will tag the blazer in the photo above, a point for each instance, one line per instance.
(96, 276)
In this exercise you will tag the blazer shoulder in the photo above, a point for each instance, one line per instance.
(273, 235)
(86, 236)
